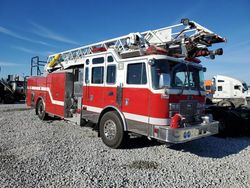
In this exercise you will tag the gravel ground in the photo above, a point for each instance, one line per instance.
(59, 154)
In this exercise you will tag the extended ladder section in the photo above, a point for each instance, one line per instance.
(185, 40)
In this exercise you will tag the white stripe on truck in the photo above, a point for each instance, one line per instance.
(60, 103)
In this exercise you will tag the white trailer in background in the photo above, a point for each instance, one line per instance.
(228, 91)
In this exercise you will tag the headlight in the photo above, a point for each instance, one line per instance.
(174, 106)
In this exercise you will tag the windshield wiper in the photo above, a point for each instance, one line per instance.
(186, 79)
(198, 87)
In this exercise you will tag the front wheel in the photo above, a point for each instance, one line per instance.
(111, 130)
(225, 103)
(40, 109)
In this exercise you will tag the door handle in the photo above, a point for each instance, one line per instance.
(110, 93)
(91, 97)
(126, 101)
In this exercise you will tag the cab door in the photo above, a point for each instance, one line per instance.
(136, 97)
(93, 89)
(110, 82)
(86, 82)
(96, 85)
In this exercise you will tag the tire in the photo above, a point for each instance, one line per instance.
(208, 101)
(40, 109)
(225, 103)
(222, 127)
(111, 130)
(84, 122)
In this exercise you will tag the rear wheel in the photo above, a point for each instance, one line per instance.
(40, 109)
(111, 130)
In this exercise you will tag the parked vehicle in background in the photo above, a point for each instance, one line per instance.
(12, 89)
(226, 91)
(230, 97)
(209, 91)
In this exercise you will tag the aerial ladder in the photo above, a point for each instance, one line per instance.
(187, 40)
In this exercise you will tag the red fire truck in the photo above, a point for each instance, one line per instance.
(148, 83)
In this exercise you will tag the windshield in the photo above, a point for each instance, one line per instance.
(182, 75)
(187, 76)
(245, 86)
(159, 67)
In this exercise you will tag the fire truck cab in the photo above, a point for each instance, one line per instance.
(151, 94)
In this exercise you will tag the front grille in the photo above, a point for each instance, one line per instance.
(188, 109)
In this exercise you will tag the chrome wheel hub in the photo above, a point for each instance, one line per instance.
(109, 129)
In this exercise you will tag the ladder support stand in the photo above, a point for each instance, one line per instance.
(37, 65)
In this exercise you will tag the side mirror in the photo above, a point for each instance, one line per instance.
(204, 69)
(164, 80)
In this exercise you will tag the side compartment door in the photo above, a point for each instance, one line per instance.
(56, 87)
(78, 87)
(74, 92)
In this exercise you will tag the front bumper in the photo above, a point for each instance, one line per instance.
(181, 135)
